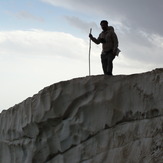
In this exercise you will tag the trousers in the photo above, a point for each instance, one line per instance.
(107, 62)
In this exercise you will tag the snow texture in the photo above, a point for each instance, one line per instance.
(94, 119)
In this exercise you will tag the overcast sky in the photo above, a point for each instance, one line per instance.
(43, 42)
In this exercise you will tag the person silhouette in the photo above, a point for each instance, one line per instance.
(109, 41)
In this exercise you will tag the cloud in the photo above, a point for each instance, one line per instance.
(27, 15)
(138, 47)
(40, 42)
(145, 15)
(137, 23)
(135, 44)
(81, 24)
(142, 47)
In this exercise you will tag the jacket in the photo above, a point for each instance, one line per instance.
(110, 40)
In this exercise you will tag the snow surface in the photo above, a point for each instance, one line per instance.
(96, 119)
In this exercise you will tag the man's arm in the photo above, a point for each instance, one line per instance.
(97, 41)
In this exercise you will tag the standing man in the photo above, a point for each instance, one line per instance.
(109, 41)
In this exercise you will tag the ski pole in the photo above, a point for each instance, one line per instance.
(90, 54)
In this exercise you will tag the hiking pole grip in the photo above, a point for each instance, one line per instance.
(89, 58)
(90, 30)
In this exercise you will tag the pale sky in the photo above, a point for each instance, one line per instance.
(43, 42)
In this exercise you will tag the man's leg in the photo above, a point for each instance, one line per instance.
(110, 64)
(104, 62)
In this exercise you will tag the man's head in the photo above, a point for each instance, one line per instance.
(104, 25)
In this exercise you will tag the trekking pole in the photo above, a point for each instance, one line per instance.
(90, 54)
